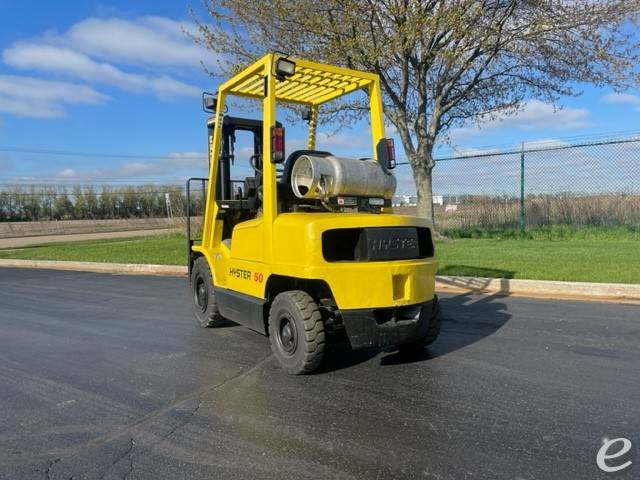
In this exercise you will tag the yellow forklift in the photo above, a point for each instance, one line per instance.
(308, 244)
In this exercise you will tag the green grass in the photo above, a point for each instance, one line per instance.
(589, 255)
(575, 260)
(159, 249)
(556, 232)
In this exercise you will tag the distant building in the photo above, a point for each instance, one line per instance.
(404, 201)
(450, 208)
(412, 200)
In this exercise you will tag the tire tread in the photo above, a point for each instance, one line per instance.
(213, 317)
(314, 337)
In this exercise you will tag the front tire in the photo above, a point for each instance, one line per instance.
(205, 308)
(296, 332)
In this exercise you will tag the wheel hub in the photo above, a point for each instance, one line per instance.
(287, 335)
(201, 294)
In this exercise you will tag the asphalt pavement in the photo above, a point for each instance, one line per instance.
(108, 377)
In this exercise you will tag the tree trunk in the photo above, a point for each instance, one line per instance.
(422, 166)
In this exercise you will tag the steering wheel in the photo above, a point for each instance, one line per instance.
(256, 163)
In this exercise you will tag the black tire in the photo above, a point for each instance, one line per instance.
(205, 308)
(435, 322)
(296, 332)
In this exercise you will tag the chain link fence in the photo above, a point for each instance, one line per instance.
(35, 203)
(578, 184)
(546, 184)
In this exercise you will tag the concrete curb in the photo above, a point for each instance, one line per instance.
(618, 292)
(117, 268)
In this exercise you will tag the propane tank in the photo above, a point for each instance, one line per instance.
(314, 177)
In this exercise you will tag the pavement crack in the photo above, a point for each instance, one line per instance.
(50, 468)
(146, 420)
(184, 423)
(130, 455)
(199, 400)
(127, 453)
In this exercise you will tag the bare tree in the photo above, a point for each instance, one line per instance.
(442, 63)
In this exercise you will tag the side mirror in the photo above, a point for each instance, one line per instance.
(209, 102)
(386, 152)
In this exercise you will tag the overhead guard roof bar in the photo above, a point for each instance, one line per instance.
(312, 84)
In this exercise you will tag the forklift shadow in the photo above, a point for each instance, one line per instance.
(339, 354)
(467, 318)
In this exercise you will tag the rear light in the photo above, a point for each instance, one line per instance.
(277, 144)
(386, 153)
(391, 153)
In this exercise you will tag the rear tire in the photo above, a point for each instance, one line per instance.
(296, 332)
(435, 322)
(205, 308)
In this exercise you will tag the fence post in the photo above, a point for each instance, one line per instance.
(522, 212)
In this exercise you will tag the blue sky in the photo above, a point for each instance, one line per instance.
(120, 78)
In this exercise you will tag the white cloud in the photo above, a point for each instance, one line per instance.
(90, 50)
(168, 169)
(294, 144)
(534, 115)
(244, 152)
(138, 169)
(67, 173)
(343, 140)
(405, 182)
(127, 171)
(347, 143)
(623, 98)
(67, 62)
(34, 97)
(545, 143)
(148, 41)
(463, 152)
(190, 159)
(537, 115)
